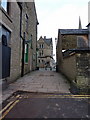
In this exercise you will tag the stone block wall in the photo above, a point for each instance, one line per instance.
(77, 68)
(69, 41)
(83, 70)
(15, 43)
(33, 22)
(74, 41)
(11, 21)
(68, 67)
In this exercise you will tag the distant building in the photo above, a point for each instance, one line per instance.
(45, 52)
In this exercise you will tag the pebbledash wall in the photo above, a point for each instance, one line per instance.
(10, 20)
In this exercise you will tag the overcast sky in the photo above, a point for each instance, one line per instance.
(60, 14)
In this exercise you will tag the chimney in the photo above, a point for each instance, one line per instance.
(44, 37)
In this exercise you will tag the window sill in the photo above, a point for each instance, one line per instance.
(26, 63)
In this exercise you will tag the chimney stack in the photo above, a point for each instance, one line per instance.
(44, 37)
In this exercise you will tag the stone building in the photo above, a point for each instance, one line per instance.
(73, 55)
(29, 27)
(18, 25)
(45, 52)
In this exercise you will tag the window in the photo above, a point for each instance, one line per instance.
(42, 61)
(42, 53)
(5, 5)
(5, 35)
(39, 61)
(41, 45)
(26, 53)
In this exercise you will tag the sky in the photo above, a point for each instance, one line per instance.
(60, 14)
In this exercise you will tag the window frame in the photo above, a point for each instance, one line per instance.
(7, 33)
(26, 53)
(5, 7)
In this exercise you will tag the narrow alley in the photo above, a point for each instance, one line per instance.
(44, 59)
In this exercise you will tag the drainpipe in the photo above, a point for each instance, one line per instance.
(37, 23)
(89, 23)
(22, 39)
(23, 49)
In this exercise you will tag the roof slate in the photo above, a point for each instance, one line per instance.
(73, 31)
(48, 41)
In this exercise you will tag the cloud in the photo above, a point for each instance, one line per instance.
(64, 17)
(60, 15)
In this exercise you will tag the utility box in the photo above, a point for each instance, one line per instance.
(5, 56)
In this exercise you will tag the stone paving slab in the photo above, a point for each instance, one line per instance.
(39, 81)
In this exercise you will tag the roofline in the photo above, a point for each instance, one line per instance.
(48, 39)
(88, 24)
(72, 33)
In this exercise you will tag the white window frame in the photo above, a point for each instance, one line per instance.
(4, 4)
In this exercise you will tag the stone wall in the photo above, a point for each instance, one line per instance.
(12, 22)
(83, 70)
(74, 41)
(68, 67)
(77, 69)
(69, 41)
(33, 22)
